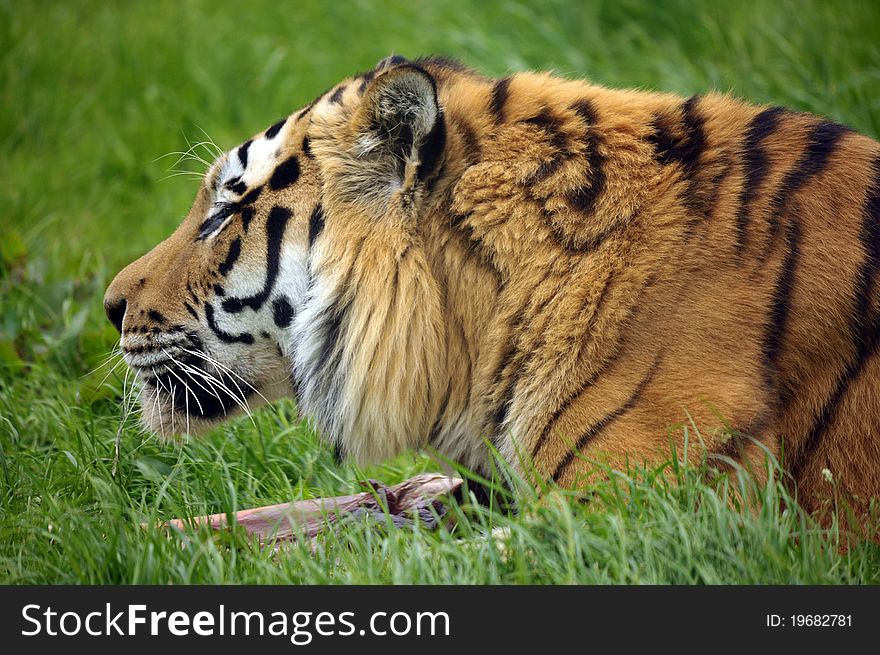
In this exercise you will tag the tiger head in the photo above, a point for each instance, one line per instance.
(303, 242)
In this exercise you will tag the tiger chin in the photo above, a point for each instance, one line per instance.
(425, 257)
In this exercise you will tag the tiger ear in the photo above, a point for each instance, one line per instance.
(399, 126)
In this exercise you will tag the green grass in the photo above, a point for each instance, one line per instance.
(95, 93)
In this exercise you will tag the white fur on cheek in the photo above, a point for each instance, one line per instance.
(319, 384)
(293, 281)
(262, 159)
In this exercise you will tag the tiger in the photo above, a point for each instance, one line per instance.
(530, 268)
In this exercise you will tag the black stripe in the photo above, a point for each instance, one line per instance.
(683, 149)
(339, 454)
(333, 317)
(582, 247)
(549, 124)
(582, 387)
(189, 308)
(864, 322)
(236, 186)
(215, 220)
(869, 235)
(503, 408)
(231, 257)
(472, 244)
(472, 150)
(251, 197)
(275, 226)
(336, 97)
(212, 222)
(583, 199)
(499, 97)
(282, 312)
(711, 199)
(247, 214)
(756, 167)
(821, 144)
(225, 337)
(605, 421)
(243, 153)
(507, 358)
(730, 449)
(689, 150)
(316, 224)
(774, 329)
(520, 362)
(558, 141)
(524, 358)
(307, 148)
(516, 360)
(443, 63)
(869, 339)
(661, 138)
(586, 110)
(158, 317)
(285, 174)
(438, 422)
(365, 82)
(393, 60)
(431, 149)
(686, 148)
(273, 131)
(308, 108)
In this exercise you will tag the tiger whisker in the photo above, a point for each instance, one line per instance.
(227, 370)
(128, 405)
(213, 381)
(185, 386)
(191, 174)
(171, 393)
(109, 373)
(222, 369)
(191, 152)
(240, 398)
(114, 352)
(158, 404)
(217, 150)
(186, 405)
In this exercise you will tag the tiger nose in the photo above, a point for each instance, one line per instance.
(115, 310)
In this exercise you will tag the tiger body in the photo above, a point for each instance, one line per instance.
(425, 257)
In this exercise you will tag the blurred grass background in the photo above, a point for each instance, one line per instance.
(95, 94)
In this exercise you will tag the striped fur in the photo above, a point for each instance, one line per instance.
(428, 257)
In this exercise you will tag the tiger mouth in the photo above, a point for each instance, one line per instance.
(201, 395)
(193, 385)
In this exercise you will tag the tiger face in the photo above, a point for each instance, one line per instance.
(203, 315)
(217, 318)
